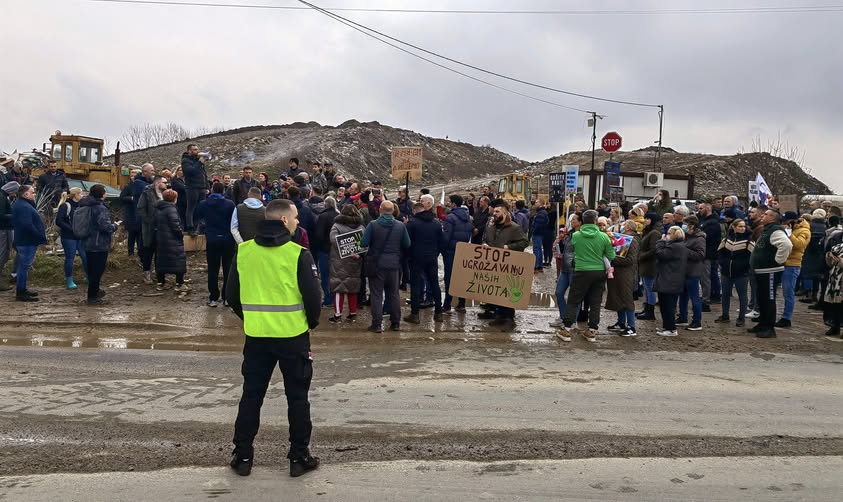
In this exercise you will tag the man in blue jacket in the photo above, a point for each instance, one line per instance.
(29, 234)
(216, 212)
(98, 242)
(457, 228)
(426, 232)
(196, 185)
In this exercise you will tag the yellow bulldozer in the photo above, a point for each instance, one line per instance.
(521, 186)
(81, 159)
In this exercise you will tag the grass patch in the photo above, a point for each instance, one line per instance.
(48, 269)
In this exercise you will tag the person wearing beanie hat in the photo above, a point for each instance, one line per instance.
(813, 262)
(637, 215)
(6, 227)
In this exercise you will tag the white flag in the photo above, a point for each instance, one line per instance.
(764, 192)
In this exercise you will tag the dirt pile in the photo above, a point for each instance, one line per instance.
(358, 150)
(362, 150)
(714, 175)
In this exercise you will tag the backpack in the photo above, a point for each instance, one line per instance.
(82, 222)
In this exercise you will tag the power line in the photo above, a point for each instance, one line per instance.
(440, 65)
(747, 10)
(476, 68)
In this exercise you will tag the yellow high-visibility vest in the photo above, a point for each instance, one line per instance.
(269, 290)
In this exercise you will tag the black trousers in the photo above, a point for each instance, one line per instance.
(767, 284)
(134, 236)
(194, 197)
(218, 253)
(588, 286)
(96, 267)
(260, 355)
(667, 307)
(421, 273)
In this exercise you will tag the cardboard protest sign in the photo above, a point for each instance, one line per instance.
(492, 275)
(350, 243)
(788, 203)
(407, 159)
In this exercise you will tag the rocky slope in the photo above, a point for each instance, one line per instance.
(714, 175)
(358, 150)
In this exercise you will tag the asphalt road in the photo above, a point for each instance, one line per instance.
(640, 479)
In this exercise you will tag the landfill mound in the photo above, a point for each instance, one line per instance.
(361, 150)
(714, 175)
(358, 150)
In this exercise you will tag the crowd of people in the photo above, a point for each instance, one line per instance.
(678, 257)
(674, 257)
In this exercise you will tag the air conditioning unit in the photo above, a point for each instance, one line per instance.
(653, 179)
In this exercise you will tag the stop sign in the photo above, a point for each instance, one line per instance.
(612, 142)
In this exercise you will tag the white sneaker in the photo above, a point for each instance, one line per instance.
(212, 303)
(753, 315)
(665, 332)
(564, 336)
(556, 323)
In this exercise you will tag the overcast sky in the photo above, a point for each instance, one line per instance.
(97, 68)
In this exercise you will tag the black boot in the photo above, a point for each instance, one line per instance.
(649, 313)
(303, 465)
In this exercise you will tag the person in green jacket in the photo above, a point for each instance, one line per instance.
(591, 247)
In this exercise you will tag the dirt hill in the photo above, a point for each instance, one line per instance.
(362, 150)
(358, 150)
(714, 175)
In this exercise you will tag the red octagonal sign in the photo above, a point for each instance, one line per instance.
(612, 142)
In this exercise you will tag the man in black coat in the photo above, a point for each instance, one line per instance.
(52, 184)
(481, 219)
(320, 243)
(710, 281)
(426, 232)
(240, 190)
(196, 184)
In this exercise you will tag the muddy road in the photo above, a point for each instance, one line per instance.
(150, 381)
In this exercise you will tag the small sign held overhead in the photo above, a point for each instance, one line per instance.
(407, 159)
(556, 189)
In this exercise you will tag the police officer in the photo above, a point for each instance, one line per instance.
(279, 301)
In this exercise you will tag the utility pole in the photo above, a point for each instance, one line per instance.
(657, 166)
(592, 178)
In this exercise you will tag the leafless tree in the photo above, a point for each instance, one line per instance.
(778, 147)
(148, 135)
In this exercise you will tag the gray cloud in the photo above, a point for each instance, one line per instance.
(722, 78)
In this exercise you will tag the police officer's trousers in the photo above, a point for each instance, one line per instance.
(260, 355)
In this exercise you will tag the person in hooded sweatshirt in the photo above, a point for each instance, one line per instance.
(522, 216)
(171, 258)
(216, 213)
(69, 242)
(98, 242)
(591, 248)
(426, 232)
(247, 214)
(344, 276)
(456, 228)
